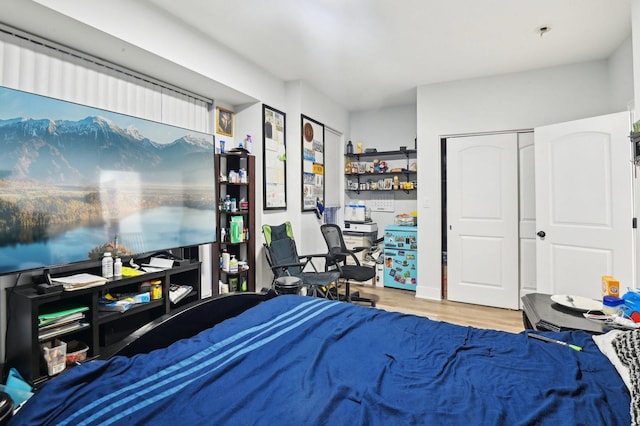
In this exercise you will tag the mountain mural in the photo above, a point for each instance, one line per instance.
(75, 152)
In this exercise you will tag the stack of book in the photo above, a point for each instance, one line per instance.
(57, 323)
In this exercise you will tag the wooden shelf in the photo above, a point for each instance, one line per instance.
(244, 250)
(390, 155)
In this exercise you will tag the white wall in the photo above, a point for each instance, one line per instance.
(150, 30)
(621, 66)
(508, 102)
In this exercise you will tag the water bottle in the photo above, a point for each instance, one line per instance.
(227, 203)
(107, 265)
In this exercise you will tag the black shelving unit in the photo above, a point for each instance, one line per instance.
(102, 329)
(244, 250)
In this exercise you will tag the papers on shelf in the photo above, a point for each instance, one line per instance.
(115, 305)
(46, 334)
(122, 302)
(157, 264)
(78, 281)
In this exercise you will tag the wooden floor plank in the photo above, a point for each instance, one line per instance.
(398, 300)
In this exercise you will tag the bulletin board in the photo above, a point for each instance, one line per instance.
(274, 159)
(312, 163)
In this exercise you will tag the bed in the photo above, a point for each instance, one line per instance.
(295, 360)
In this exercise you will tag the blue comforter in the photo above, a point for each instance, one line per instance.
(295, 360)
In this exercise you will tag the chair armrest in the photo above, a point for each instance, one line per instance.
(351, 254)
(359, 249)
(287, 265)
(309, 259)
(310, 256)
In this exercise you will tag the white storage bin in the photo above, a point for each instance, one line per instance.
(55, 355)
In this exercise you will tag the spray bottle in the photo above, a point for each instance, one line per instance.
(248, 144)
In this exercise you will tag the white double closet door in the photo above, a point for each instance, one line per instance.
(551, 216)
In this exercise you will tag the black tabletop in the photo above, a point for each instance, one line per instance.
(546, 315)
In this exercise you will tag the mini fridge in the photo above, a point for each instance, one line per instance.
(400, 257)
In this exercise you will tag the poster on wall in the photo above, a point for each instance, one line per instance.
(77, 181)
(312, 163)
(274, 158)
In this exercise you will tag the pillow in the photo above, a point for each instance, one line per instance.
(627, 347)
(605, 344)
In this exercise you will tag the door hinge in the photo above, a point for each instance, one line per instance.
(634, 223)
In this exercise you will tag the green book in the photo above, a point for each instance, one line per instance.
(45, 319)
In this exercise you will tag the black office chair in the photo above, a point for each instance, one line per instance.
(283, 259)
(337, 260)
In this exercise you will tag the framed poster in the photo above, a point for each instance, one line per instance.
(312, 163)
(224, 122)
(274, 156)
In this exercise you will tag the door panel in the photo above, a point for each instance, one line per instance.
(482, 213)
(583, 205)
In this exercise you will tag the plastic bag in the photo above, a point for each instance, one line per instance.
(631, 302)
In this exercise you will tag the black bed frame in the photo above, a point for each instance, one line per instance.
(185, 322)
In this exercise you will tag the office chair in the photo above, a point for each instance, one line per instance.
(337, 260)
(283, 259)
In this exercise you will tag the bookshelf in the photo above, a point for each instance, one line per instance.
(98, 329)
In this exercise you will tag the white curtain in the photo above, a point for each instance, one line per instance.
(37, 66)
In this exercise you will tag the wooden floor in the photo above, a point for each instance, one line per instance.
(404, 301)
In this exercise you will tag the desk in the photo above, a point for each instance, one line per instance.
(542, 314)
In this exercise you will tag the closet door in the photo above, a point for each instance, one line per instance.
(482, 218)
(583, 205)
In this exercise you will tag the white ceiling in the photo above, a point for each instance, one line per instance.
(367, 54)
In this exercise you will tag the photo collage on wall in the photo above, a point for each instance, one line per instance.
(312, 163)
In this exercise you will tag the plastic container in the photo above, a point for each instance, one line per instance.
(107, 265)
(610, 286)
(226, 258)
(236, 226)
(156, 289)
(233, 265)
(405, 220)
(55, 354)
(287, 285)
(117, 267)
(611, 304)
(76, 352)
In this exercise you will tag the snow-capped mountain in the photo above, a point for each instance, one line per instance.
(72, 152)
